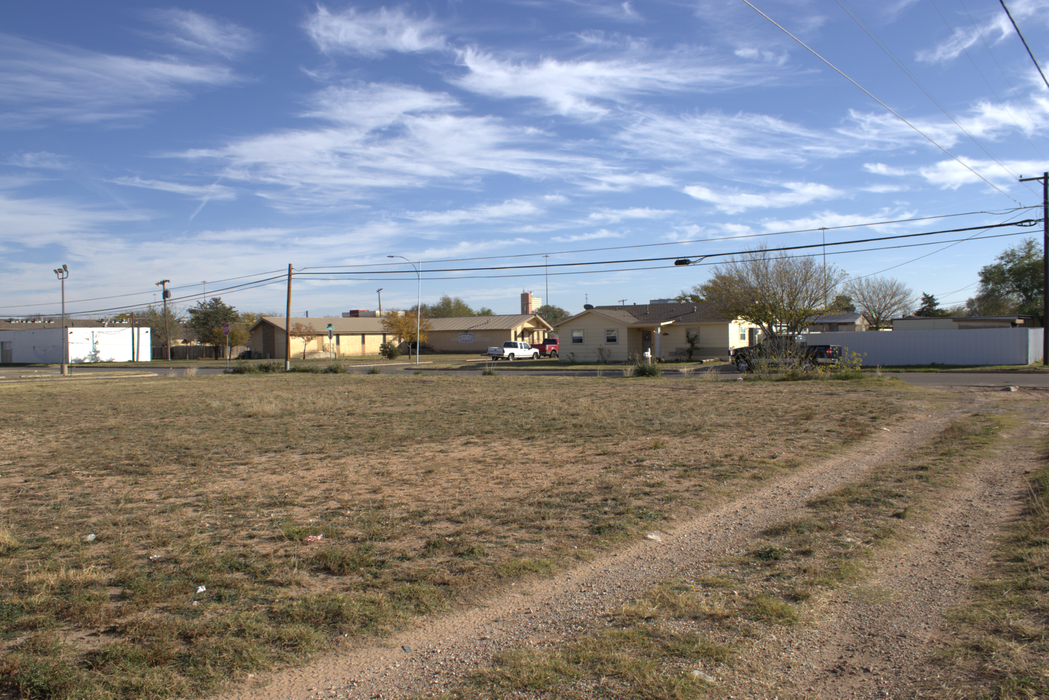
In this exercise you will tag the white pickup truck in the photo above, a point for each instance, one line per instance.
(512, 349)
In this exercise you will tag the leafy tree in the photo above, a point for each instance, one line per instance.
(930, 308)
(446, 307)
(154, 318)
(692, 297)
(402, 326)
(1013, 284)
(306, 332)
(775, 291)
(551, 314)
(207, 318)
(881, 298)
(842, 304)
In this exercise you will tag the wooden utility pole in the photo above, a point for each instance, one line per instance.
(287, 327)
(1045, 262)
(167, 331)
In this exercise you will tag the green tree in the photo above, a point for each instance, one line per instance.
(551, 314)
(207, 318)
(690, 297)
(1013, 284)
(778, 292)
(842, 304)
(449, 307)
(930, 308)
(154, 317)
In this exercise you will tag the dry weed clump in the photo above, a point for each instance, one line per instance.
(250, 520)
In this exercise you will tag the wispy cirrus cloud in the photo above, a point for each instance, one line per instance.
(39, 221)
(950, 174)
(40, 83)
(39, 159)
(792, 194)
(614, 216)
(511, 209)
(385, 137)
(589, 89)
(217, 192)
(994, 29)
(196, 33)
(372, 34)
(594, 236)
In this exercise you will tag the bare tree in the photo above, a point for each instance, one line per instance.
(776, 291)
(305, 331)
(881, 298)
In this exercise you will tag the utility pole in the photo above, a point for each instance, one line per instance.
(287, 327)
(63, 273)
(1045, 263)
(167, 331)
(546, 262)
(379, 292)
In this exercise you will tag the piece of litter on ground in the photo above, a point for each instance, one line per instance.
(886, 430)
(201, 589)
(89, 538)
(654, 536)
(314, 538)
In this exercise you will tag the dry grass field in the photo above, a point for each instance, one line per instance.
(159, 537)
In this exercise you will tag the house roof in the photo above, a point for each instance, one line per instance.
(485, 323)
(659, 314)
(319, 324)
(344, 326)
(838, 318)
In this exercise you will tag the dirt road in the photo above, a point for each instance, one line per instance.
(869, 640)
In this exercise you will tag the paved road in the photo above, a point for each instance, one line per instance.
(1032, 379)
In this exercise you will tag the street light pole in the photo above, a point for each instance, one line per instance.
(163, 284)
(63, 273)
(418, 305)
(379, 292)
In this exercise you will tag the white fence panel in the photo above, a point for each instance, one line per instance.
(982, 346)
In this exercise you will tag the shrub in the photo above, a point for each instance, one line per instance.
(375, 369)
(488, 371)
(336, 368)
(645, 369)
(389, 350)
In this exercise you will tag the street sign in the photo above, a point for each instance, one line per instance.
(225, 329)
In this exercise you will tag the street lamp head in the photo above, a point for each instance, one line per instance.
(683, 261)
(65, 268)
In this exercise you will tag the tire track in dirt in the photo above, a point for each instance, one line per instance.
(435, 652)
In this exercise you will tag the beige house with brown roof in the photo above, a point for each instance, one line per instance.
(667, 331)
(354, 337)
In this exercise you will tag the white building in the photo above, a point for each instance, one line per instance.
(44, 345)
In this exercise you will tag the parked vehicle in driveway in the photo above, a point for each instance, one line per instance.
(547, 348)
(783, 352)
(513, 349)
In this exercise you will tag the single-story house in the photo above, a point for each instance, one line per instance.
(475, 334)
(951, 323)
(667, 331)
(364, 335)
(832, 323)
(350, 336)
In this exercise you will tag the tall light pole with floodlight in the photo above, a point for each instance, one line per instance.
(418, 305)
(63, 273)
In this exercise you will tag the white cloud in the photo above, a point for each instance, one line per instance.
(950, 174)
(830, 219)
(372, 33)
(37, 222)
(199, 33)
(883, 169)
(40, 159)
(511, 209)
(194, 191)
(992, 30)
(595, 236)
(587, 90)
(613, 216)
(46, 82)
(733, 202)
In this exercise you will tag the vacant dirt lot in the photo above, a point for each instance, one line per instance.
(188, 536)
(870, 639)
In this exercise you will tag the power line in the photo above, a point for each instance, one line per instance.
(887, 107)
(1019, 34)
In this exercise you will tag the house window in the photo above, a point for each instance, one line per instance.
(337, 340)
(611, 336)
(832, 328)
(742, 333)
(577, 337)
(362, 339)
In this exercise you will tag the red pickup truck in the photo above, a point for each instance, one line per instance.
(547, 348)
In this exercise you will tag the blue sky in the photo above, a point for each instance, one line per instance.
(574, 146)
